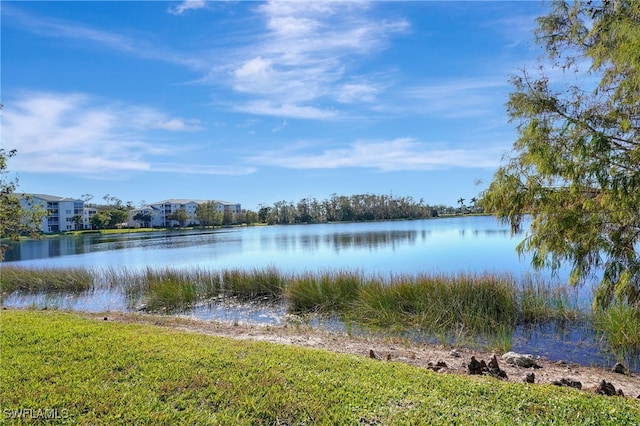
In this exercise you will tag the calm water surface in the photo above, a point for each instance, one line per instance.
(450, 245)
(473, 244)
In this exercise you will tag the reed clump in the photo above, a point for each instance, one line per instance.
(431, 302)
(325, 292)
(540, 301)
(439, 302)
(619, 325)
(256, 284)
(165, 289)
(35, 280)
(170, 290)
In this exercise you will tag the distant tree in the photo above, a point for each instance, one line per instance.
(100, 220)
(206, 213)
(117, 217)
(86, 198)
(304, 211)
(575, 167)
(228, 216)
(112, 201)
(77, 220)
(144, 217)
(181, 216)
(474, 204)
(250, 217)
(263, 213)
(14, 220)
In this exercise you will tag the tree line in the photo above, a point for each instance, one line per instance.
(352, 208)
(337, 208)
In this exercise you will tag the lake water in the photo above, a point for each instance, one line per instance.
(450, 245)
(475, 243)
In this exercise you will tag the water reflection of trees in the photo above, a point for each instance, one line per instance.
(372, 240)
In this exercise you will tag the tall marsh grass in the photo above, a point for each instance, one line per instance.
(439, 302)
(331, 291)
(165, 289)
(540, 301)
(263, 284)
(459, 307)
(32, 280)
(619, 326)
(435, 302)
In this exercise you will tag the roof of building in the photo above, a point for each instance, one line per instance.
(178, 201)
(51, 198)
(187, 201)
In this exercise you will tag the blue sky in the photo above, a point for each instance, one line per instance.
(257, 102)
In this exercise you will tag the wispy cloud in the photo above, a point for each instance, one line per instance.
(400, 154)
(459, 98)
(265, 107)
(75, 133)
(58, 28)
(202, 169)
(301, 57)
(187, 5)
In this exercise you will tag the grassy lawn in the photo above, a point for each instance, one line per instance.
(56, 364)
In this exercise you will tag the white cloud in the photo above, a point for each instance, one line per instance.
(286, 110)
(202, 169)
(187, 5)
(356, 92)
(459, 98)
(57, 28)
(254, 76)
(302, 55)
(74, 133)
(148, 118)
(176, 124)
(400, 154)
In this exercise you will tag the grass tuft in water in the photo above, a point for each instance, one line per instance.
(170, 290)
(619, 325)
(324, 292)
(440, 304)
(256, 284)
(436, 303)
(35, 280)
(541, 301)
(167, 289)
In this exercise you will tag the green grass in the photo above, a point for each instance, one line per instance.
(96, 372)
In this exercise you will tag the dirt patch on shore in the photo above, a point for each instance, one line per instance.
(387, 350)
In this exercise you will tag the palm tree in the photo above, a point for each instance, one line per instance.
(474, 202)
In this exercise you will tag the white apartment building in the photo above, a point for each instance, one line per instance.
(87, 213)
(63, 214)
(159, 212)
